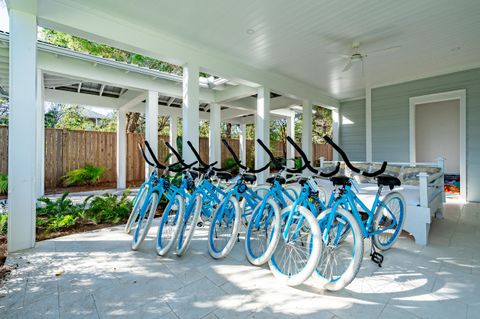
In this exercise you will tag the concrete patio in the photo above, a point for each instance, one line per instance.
(96, 275)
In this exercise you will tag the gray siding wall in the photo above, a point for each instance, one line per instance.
(390, 119)
(352, 136)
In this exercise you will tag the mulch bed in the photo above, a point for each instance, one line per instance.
(4, 270)
(79, 227)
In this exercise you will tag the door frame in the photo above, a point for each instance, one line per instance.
(460, 95)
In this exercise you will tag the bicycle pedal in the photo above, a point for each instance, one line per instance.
(377, 258)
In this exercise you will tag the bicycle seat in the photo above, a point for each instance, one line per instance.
(194, 174)
(387, 180)
(279, 179)
(249, 178)
(223, 175)
(302, 180)
(340, 181)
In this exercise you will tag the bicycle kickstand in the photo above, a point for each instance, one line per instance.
(374, 255)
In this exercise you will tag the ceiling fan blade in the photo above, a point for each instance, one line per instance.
(383, 51)
(347, 66)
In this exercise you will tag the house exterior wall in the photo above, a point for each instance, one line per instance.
(352, 133)
(390, 119)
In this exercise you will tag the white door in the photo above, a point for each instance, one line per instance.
(437, 130)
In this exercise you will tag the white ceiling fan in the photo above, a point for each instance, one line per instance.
(357, 56)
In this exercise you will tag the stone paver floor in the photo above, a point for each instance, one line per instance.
(96, 275)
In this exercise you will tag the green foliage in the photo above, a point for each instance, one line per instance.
(3, 111)
(3, 184)
(57, 214)
(3, 223)
(105, 51)
(87, 175)
(53, 116)
(231, 165)
(108, 208)
(72, 118)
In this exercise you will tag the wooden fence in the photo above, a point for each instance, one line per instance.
(66, 150)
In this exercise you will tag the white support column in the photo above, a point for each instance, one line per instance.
(121, 149)
(151, 125)
(307, 129)
(243, 143)
(335, 129)
(173, 135)
(291, 133)
(214, 139)
(262, 131)
(22, 140)
(190, 110)
(368, 123)
(40, 158)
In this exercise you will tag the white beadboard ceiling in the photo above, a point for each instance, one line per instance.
(295, 38)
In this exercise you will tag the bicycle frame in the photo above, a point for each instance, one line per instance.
(349, 199)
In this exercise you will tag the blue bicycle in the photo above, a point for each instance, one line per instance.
(225, 225)
(298, 250)
(260, 237)
(348, 221)
(172, 213)
(201, 197)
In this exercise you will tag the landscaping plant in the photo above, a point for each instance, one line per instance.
(57, 214)
(87, 175)
(108, 208)
(3, 184)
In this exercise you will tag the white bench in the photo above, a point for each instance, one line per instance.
(422, 188)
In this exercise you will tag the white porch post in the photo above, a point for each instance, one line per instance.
(151, 125)
(40, 158)
(368, 123)
(243, 143)
(214, 139)
(335, 129)
(22, 140)
(173, 135)
(291, 133)
(262, 131)
(190, 110)
(121, 149)
(307, 129)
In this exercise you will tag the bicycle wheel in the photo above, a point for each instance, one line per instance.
(224, 228)
(389, 219)
(190, 220)
(342, 251)
(294, 259)
(139, 200)
(170, 225)
(146, 216)
(262, 233)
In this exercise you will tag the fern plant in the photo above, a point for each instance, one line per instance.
(3, 223)
(3, 184)
(108, 208)
(87, 175)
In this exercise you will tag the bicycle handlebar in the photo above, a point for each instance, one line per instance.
(303, 155)
(197, 155)
(350, 165)
(235, 158)
(144, 155)
(239, 163)
(153, 155)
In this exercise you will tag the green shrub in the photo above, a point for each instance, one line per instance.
(3, 184)
(108, 208)
(57, 214)
(231, 165)
(87, 175)
(3, 223)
